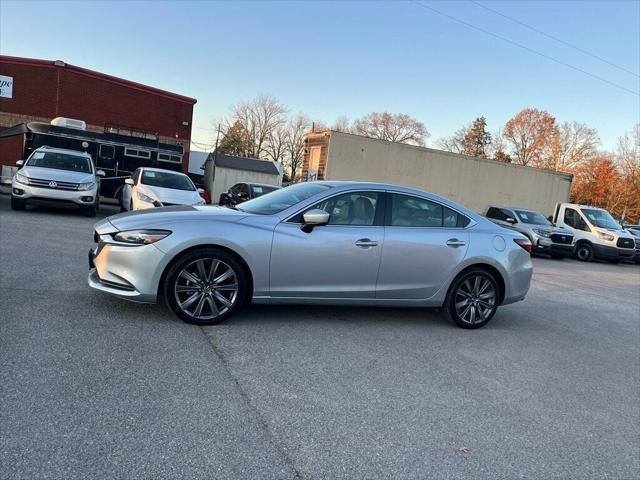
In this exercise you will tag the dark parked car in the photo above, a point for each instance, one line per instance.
(635, 231)
(241, 192)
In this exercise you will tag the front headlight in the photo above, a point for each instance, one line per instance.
(86, 186)
(141, 237)
(200, 202)
(542, 233)
(146, 198)
(605, 236)
(20, 178)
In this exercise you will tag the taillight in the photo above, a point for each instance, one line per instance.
(524, 243)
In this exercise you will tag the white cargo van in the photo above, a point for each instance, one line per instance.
(596, 233)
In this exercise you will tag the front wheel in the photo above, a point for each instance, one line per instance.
(584, 252)
(17, 204)
(205, 286)
(473, 299)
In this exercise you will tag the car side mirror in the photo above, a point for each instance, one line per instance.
(510, 220)
(20, 163)
(314, 218)
(100, 173)
(128, 181)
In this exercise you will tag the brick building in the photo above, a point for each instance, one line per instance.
(40, 90)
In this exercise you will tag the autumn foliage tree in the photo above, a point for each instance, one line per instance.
(531, 135)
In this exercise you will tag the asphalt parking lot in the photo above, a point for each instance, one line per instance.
(95, 387)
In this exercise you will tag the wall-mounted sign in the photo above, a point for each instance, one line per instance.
(6, 87)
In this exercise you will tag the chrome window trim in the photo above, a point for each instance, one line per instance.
(471, 223)
(342, 192)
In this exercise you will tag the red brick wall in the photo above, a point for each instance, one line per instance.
(42, 90)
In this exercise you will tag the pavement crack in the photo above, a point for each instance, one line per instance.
(261, 420)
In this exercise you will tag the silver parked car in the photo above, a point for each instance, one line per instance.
(346, 243)
(544, 236)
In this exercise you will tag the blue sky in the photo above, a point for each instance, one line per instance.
(349, 58)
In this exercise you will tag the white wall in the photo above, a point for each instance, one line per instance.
(224, 178)
(473, 182)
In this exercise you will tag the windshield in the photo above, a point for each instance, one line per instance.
(259, 190)
(601, 218)
(533, 218)
(176, 181)
(281, 199)
(60, 161)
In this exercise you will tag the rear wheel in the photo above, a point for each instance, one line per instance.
(473, 298)
(17, 204)
(206, 286)
(584, 252)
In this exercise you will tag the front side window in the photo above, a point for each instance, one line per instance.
(353, 208)
(60, 161)
(574, 220)
(174, 181)
(280, 200)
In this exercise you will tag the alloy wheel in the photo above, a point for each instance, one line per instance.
(206, 288)
(475, 300)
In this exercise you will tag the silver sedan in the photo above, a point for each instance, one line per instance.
(345, 243)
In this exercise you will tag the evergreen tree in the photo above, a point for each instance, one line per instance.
(476, 139)
(235, 142)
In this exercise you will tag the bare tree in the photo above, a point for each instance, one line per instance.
(297, 129)
(399, 128)
(454, 143)
(276, 146)
(260, 117)
(575, 143)
(342, 124)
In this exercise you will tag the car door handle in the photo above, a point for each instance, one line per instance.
(366, 243)
(455, 243)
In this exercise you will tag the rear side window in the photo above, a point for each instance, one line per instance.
(497, 214)
(408, 211)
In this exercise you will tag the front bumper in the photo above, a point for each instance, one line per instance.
(546, 245)
(131, 272)
(612, 253)
(52, 196)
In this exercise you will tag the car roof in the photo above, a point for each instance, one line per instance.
(77, 153)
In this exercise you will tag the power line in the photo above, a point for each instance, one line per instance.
(552, 37)
(524, 47)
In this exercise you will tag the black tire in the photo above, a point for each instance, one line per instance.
(584, 252)
(189, 261)
(90, 211)
(131, 205)
(454, 296)
(122, 209)
(17, 204)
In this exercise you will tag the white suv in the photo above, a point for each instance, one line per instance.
(56, 176)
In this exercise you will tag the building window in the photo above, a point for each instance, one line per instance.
(107, 152)
(132, 152)
(164, 157)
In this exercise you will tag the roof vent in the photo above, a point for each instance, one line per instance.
(69, 123)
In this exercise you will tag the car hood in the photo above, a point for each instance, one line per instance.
(56, 174)
(157, 217)
(171, 195)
